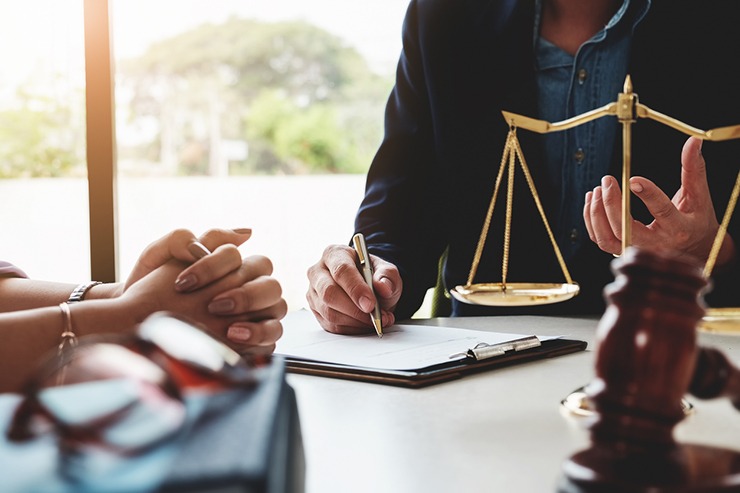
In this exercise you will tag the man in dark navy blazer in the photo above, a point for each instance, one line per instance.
(429, 186)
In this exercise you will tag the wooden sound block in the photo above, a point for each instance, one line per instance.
(685, 468)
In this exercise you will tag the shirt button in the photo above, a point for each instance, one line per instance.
(579, 155)
(573, 235)
(582, 75)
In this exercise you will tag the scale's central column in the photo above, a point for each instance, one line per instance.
(626, 111)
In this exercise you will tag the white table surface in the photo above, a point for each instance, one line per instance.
(498, 431)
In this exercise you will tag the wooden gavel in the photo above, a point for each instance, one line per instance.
(715, 376)
(647, 360)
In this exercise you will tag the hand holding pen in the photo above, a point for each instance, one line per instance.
(342, 299)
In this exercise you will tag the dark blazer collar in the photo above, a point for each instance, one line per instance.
(494, 13)
(492, 19)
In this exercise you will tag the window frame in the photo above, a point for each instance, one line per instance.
(101, 141)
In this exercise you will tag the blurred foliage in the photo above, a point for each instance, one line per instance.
(241, 97)
(309, 138)
(38, 139)
(302, 100)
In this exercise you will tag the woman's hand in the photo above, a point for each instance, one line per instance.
(243, 307)
(183, 245)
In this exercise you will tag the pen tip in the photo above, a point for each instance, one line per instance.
(378, 327)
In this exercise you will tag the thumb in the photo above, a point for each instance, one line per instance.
(180, 244)
(694, 170)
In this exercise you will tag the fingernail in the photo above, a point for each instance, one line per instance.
(243, 231)
(636, 187)
(239, 333)
(186, 282)
(198, 250)
(604, 182)
(366, 304)
(224, 305)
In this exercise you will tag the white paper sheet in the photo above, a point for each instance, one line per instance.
(402, 347)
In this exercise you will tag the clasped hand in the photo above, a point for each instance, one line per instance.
(235, 299)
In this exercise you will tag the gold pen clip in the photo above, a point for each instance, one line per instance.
(360, 247)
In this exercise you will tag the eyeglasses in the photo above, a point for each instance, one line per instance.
(126, 393)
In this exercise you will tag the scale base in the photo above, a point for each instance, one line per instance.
(577, 404)
(686, 469)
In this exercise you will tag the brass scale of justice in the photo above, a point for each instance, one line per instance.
(627, 108)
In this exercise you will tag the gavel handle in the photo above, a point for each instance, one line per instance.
(715, 376)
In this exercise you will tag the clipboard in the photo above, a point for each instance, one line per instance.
(303, 339)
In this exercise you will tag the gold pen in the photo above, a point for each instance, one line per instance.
(367, 271)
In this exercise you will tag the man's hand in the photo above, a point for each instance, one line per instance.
(340, 298)
(685, 225)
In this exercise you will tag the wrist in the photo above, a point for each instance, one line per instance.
(108, 290)
(81, 290)
(104, 316)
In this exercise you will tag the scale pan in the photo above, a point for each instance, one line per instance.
(515, 294)
(726, 320)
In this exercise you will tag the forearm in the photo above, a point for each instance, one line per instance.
(28, 335)
(25, 294)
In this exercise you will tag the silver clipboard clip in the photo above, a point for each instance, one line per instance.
(484, 350)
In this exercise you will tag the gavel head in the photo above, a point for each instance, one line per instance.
(645, 351)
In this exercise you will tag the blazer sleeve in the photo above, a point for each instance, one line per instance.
(402, 206)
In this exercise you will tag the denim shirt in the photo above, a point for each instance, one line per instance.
(576, 159)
